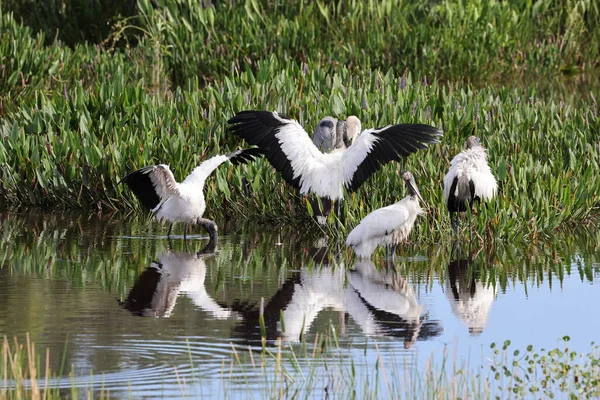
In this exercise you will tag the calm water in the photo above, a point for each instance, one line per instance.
(151, 318)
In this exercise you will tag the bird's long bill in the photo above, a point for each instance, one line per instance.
(412, 187)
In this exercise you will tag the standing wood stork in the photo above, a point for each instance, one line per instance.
(388, 225)
(468, 180)
(291, 152)
(156, 188)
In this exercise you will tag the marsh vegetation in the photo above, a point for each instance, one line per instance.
(90, 94)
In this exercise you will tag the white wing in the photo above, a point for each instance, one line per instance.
(203, 171)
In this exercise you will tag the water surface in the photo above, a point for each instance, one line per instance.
(126, 310)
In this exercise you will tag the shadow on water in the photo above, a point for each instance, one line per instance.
(89, 281)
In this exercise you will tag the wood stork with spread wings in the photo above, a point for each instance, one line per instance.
(468, 180)
(387, 225)
(291, 152)
(156, 188)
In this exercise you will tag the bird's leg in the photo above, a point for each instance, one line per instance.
(170, 229)
(454, 218)
(212, 229)
(470, 225)
(394, 248)
(185, 231)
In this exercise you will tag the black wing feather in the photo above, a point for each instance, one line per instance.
(142, 187)
(246, 155)
(394, 142)
(259, 128)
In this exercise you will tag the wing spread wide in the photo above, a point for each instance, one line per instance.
(290, 151)
(377, 147)
(284, 142)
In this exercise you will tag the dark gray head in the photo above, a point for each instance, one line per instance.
(413, 190)
(324, 136)
(473, 141)
(327, 123)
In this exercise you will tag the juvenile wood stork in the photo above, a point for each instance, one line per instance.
(291, 152)
(468, 180)
(156, 188)
(387, 225)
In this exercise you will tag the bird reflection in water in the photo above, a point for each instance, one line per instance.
(155, 292)
(470, 298)
(380, 303)
(392, 303)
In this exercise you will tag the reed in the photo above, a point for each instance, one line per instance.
(294, 372)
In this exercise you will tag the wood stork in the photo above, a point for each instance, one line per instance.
(291, 152)
(332, 134)
(468, 180)
(388, 225)
(156, 188)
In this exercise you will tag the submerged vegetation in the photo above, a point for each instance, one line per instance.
(160, 86)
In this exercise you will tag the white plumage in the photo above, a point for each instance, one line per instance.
(156, 188)
(380, 304)
(388, 225)
(469, 179)
(289, 149)
(386, 291)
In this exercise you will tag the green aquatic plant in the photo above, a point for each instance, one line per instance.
(76, 120)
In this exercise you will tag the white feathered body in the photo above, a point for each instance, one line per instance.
(384, 226)
(322, 174)
(472, 306)
(186, 202)
(470, 165)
